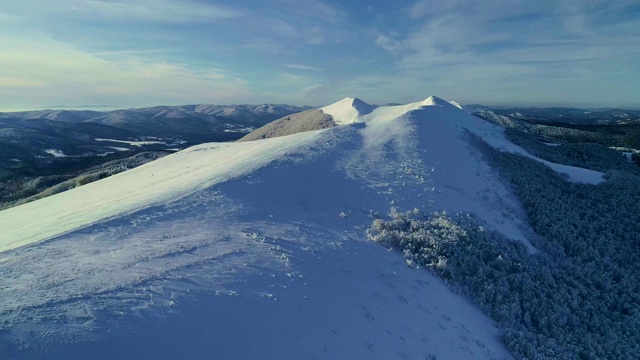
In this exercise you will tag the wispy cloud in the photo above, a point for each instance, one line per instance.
(466, 31)
(299, 24)
(169, 51)
(314, 9)
(266, 46)
(292, 27)
(293, 87)
(163, 11)
(302, 67)
(41, 71)
(493, 45)
(121, 11)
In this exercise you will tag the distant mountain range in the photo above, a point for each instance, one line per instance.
(39, 149)
(76, 131)
(565, 115)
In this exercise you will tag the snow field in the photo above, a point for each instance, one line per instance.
(169, 178)
(276, 228)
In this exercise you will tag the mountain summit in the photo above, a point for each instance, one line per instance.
(347, 110)
(350, 110)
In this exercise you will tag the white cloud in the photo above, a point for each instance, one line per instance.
(388, 43)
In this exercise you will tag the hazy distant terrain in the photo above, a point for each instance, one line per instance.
(39, 149)
(579, 129)
(565, 115)
(42, 152)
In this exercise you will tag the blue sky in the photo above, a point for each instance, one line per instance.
(127, 53)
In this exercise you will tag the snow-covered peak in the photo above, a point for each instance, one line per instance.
(348, 110)
(384, 113)
(435, 101)
(352, 110)
(430, 101)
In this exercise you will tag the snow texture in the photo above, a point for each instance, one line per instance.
(169, 178)
(251, 249)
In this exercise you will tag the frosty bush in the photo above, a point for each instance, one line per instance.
(578, 298)
(439, 242)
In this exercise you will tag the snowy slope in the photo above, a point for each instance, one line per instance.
(175, 176)
(256, 249)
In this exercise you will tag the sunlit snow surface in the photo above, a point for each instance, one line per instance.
(55, 153)
(134, 143)
(249, 250)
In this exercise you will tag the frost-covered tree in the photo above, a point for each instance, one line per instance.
(578, 297)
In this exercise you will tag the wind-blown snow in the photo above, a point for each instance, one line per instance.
(277, 227)
(134, 143)
(55, 153)
(169, 178)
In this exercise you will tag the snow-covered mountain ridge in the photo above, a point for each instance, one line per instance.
(205, 165)
(350, 110)
(277, 223)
